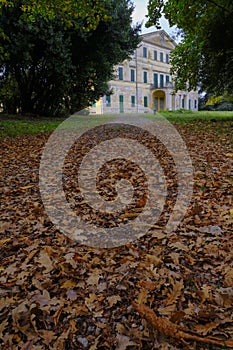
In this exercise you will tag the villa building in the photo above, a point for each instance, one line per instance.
(144, 83)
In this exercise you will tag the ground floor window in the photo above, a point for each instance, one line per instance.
(121, 101)
(108, 101)
(132, 101)
(189, 104)
(145, 101)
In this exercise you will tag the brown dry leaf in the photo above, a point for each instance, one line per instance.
(47, 336)
(94, 277)
(228, 278)
(112, 300)
(153, 260)
(204, 329)
(179, 246)
(45, 261)
(174, 293)
(205, 293)
(143, 296)
(123, 342)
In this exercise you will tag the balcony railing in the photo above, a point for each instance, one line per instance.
(167, 85)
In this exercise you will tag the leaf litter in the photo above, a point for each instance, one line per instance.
(163, 291)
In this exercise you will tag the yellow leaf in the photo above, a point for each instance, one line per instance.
(68, 284)
(153, 259)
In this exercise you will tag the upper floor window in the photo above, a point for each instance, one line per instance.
(167, 58)
(145, 52)
(155, 55)
(167, 78)
(132, 74)
(161, 56)
(161, 81)
(120, 73)
(155, 80)
(145, 77)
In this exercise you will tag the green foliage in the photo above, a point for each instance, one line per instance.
(83, 14)
(221, 103)
(51, 69)
(204, 56)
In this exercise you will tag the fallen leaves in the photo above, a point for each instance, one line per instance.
(56, 294)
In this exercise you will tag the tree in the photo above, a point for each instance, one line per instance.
(204, 56)
(54, 68)
(70, 11)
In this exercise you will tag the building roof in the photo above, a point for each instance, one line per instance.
(159, 38)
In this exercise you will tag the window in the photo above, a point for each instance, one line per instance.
(161, 56)
(161, 81)
(167, 58)
(182, 102)
(132, 75)
(145, 52)
(189, 104)
(145, 101)
(195, 104)
(167, 78)
(155, 80)
(155, 55)
(120, 73)
(121, 101)
(145, 77)
(132, 101)
(93, 105)
(108, 101)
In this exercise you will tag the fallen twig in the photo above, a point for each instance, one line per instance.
(169, 329)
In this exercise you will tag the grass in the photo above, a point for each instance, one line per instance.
(12, 126)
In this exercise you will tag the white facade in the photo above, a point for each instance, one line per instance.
(144, 83)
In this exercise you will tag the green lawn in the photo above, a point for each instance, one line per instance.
(11, 126)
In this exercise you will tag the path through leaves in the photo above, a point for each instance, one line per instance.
(57, 294)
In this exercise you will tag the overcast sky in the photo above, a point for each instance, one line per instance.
(139, 16)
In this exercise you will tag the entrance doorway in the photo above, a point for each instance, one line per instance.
(159, 100)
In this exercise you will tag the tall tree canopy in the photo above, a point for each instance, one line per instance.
(88, 13)
(204, 56)
(49, 66)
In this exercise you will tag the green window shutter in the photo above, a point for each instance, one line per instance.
(167, 78)
(182, 102)
(121, 101)
(155, 55)
(145, 101)
(167, 58)
(189, 104)
(161, 81)
(145, 77)
(120, 73)
(144, 52)
(161, 56)
(108, 101)
(132, 101)
(155, 80)
(132, 74)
